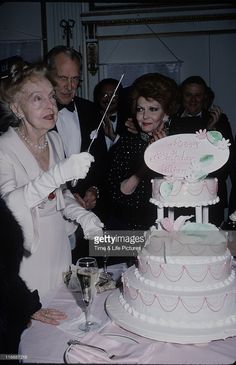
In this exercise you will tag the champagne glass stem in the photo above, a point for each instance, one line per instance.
(86, 313)
(105, 265)
(106, 273)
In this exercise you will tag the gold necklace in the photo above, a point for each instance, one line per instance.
(38, 146)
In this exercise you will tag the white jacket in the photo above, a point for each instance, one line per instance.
(17, 168)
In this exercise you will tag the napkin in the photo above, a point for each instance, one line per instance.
(104, 282)
(72, 325)
(70, 278)
(128, 353)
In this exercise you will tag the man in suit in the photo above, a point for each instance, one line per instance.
(77, 123)
(77, 120)
(114, 121)
(197, 112)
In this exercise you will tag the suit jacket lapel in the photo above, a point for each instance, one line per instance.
(82, 111)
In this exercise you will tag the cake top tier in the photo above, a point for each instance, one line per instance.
(190, 156)
(184, 238)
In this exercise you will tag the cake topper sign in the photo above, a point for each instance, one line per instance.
(191, 156)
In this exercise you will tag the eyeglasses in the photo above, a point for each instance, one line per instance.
(108, 95)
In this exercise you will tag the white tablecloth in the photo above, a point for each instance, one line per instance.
(43, 343)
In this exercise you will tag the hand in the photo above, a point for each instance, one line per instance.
(91, 225)
(94, 232)
(80, 200)
(159, 133)
(131, 126)
(49, 315)
(215, 112)
(90, 199)
(129, 185)
(74, 167)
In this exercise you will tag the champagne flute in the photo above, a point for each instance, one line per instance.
(87, 274)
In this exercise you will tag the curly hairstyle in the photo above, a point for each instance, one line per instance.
(18, 74)
(158, 87)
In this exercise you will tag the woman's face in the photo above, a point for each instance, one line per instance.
(36, 104)
(149, 114)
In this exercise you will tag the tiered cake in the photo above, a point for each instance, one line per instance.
(183, 288)
(183, 193)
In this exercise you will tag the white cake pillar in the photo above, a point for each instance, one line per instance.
(198, 214)
(171, 213)
(160, 215)
(205, 214)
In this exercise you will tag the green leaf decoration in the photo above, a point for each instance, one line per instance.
(206, 159)
(200, 175)
(166, 189)
(214, 137)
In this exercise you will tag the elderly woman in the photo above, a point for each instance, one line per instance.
(154, 99)
(33, 176)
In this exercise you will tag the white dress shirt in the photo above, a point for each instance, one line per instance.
(110, 142)
(68, 127)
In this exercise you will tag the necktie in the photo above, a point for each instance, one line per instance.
(112, 118)
(70, 106)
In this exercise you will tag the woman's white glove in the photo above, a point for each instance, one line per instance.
(74, 167)
(90, 223)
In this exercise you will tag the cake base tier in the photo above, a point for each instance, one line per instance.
(186, 336)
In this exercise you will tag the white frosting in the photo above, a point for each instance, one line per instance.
(184, 288)
(170, 323)
(198, 246)
(182, 193)
(181, 309)
(166, 279)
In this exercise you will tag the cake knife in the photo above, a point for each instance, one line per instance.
(74, 182)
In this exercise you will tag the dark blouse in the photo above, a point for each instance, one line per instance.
(133, 211)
